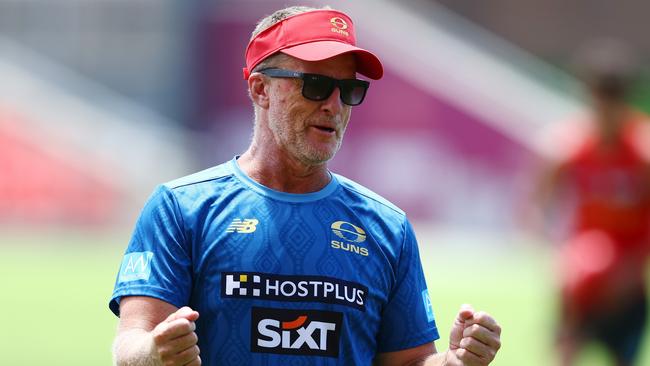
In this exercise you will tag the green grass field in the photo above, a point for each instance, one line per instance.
(55, 288)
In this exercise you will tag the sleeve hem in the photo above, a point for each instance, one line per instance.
(155, 292)
(426, 336)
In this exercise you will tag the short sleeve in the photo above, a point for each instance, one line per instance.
(407, 319)
(157, 261)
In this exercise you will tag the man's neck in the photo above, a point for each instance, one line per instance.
(280, 172)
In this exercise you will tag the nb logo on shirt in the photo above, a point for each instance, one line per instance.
(245, 226)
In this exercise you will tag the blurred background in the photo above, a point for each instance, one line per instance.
(102, 100)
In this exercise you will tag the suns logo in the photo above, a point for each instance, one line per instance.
(350, 235)
(339, 25)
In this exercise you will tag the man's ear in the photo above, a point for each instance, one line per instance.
(258, 87)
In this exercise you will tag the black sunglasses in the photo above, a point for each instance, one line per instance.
(319, 87)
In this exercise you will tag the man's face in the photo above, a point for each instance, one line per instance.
(309, 131)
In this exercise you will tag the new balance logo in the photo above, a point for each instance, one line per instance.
(245, 226)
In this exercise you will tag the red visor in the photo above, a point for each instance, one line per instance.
(312, 36)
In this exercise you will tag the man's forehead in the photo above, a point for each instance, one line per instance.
(341, 66)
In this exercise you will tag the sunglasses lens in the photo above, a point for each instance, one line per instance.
(317, 87)
(353, 91)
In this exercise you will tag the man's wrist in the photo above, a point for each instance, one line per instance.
(438, 359)
(135, 347)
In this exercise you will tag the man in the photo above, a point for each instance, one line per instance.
(284, 260)
(607, 178)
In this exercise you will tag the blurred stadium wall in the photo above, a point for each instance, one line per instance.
(102, 100)
(91, 98)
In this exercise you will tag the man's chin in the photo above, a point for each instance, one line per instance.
(319, 155)
(318, 158)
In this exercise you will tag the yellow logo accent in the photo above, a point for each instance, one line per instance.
(245, 226)
(339, 25)
(349, 232)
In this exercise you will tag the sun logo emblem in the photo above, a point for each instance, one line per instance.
(348, 232)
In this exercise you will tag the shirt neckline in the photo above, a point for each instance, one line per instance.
(279, 195)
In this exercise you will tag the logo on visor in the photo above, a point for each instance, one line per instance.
(339, 25)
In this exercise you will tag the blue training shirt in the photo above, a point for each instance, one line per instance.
(325, 278)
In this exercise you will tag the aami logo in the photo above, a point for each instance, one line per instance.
(350, 236)
(135, 266)
(428, 308)
(245, 226)
(296, 332)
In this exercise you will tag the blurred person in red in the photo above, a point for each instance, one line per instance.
(605, 182)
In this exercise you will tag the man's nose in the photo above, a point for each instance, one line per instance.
(333, 103)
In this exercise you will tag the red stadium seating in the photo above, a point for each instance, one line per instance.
(44, 182)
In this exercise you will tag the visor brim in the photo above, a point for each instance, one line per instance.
(367, 63)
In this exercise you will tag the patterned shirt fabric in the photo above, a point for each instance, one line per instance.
(325, 278)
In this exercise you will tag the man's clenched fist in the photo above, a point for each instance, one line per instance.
(474, 340)
(175, 340)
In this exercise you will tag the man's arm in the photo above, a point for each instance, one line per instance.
(474, 341)
(152, 333)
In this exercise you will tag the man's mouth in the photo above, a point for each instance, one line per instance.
(325, 129)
